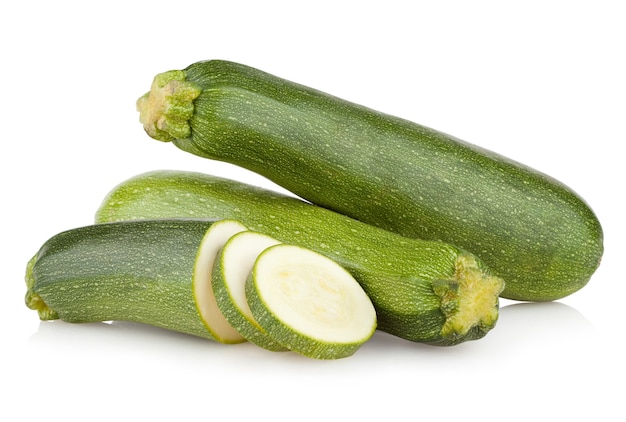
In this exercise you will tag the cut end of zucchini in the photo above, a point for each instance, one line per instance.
(165, 110)
(32, 299)
(309, 303)
(469, 301)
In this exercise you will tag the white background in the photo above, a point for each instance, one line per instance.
(542, 82)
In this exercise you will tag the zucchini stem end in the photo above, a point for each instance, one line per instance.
(33, 300)
(166, 109)
(469, 301)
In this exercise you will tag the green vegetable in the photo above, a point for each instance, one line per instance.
(309, 303)
(153, 272)
(231, 270)
(425, 291)
(533, 231)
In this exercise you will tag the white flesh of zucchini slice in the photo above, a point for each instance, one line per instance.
(309, 303)
(212, 243)
(232, 267)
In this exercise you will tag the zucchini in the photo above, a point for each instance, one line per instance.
(143, 271)
(423, 291)
(309, 303)
(530, 229)
(232, 267)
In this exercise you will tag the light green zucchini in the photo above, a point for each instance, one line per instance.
(423, 291)
(309, 303)
(151, 271)
(530, 229)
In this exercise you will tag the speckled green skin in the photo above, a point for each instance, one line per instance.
(396, 272)
(533, 231)
(128, 271)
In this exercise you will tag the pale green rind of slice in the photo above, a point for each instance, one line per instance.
(232, 267)
(213, 241)
(309, 303)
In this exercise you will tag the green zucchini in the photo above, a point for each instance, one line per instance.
(530, 229)
(309, 303)
(423, 291)
(147, 271)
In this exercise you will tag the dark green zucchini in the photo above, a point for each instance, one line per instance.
(150, 271)
(532, 230)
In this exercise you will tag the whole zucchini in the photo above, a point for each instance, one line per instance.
(533, 231)
(423, 291)
(141, 271)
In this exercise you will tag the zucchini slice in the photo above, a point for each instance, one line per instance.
(234, 263)
(213, 241)
(309, 303)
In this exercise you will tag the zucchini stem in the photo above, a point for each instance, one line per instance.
(469, 301)
(32, 299)
(166, 109)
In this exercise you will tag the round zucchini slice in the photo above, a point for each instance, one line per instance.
(309, 303)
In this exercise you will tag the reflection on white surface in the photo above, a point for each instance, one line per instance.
(540, 355)
(523, 329)
(521, 326)
(123, 338)
(552, 320)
